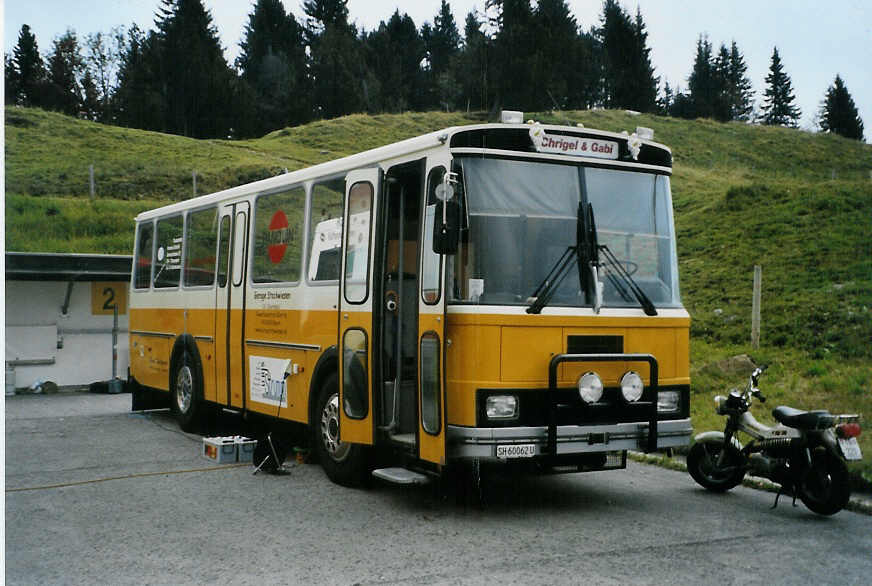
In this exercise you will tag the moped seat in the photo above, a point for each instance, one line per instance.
(802, 419)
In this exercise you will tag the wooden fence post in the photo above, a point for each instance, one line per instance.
(755, 308)
(91, 181)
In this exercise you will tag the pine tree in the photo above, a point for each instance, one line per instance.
(721, 108)
(778, 108)
(65, 64)
(666, 100)
(139, 99)
(91, 106)
(339, 73)
(643, 71)
(443, 42)
(10, 79)
(701, 83)
(324, 13)
(473, 65)
(197, 80)
(273, 62)
(394, 54)
(741, 93)
(629, 80)
(30, 70)
(561, 67)
(514, 56)
(838, 113)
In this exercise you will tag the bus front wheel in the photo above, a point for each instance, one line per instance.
(344, 463)
(185, 393)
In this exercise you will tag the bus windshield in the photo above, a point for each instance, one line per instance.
(521, 217)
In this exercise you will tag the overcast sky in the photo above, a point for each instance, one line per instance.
(815, 39)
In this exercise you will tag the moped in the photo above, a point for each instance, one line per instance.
(804, 453)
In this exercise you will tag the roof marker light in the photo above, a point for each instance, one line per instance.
(511, 117)
(645, 133)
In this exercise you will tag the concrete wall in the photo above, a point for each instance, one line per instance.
(35, 326)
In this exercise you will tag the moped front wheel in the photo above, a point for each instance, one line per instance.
(712, 472)
(825, 487)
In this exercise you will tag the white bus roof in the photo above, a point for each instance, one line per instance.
(363, 159)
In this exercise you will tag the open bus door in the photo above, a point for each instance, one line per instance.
(355, 308)
(431, 326)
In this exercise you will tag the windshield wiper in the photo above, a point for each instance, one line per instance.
(583, 254)
(616, 269)
(555, 276)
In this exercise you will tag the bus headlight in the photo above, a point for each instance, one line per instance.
(590, 387)
(632, 386)
(668, 401)
(501, 407)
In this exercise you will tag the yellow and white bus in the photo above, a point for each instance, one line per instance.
(501, 293)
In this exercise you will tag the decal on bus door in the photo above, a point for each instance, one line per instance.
(268, 380)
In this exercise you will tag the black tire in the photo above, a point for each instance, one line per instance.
(186, 393)
(825, 487)
(469, 484)
(344, 463)
(702, 464)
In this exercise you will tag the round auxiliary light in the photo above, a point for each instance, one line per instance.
(632, 386)
(590, 387)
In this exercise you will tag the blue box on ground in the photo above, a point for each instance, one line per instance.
(221, 450)
(244, 448)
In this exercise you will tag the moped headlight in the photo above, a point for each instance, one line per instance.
(668, 401)
(590, 387)
(632, 386)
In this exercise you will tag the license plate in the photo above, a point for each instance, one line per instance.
(516, 451)
(850, 448)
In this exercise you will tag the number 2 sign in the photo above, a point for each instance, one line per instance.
(106, 296)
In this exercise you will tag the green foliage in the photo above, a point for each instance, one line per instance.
(628, 74)
(272, 62)
(778, 106)
(839, 114)
(26, 79)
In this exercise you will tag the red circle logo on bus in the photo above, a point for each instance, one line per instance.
(278, 237)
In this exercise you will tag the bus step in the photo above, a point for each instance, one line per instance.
(400, 476)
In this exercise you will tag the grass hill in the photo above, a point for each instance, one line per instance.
(796, 203)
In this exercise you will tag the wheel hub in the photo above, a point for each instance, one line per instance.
(184, 388)
(336, 449)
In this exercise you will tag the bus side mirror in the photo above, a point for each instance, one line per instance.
(446, 227)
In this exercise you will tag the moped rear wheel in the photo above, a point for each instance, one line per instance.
(825, 488)
(704, 466)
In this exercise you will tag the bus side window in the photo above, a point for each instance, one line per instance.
(200, 248)
(278, 248)
(144, 246)
(223, 250)
(168, 255)
(325, 230)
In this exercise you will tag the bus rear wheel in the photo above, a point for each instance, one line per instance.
(185, 394)
(344, 463)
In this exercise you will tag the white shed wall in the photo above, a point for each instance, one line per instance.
(33, 317)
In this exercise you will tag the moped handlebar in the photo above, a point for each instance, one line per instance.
(756, 374)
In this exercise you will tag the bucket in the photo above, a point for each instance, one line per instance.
(10, 380)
